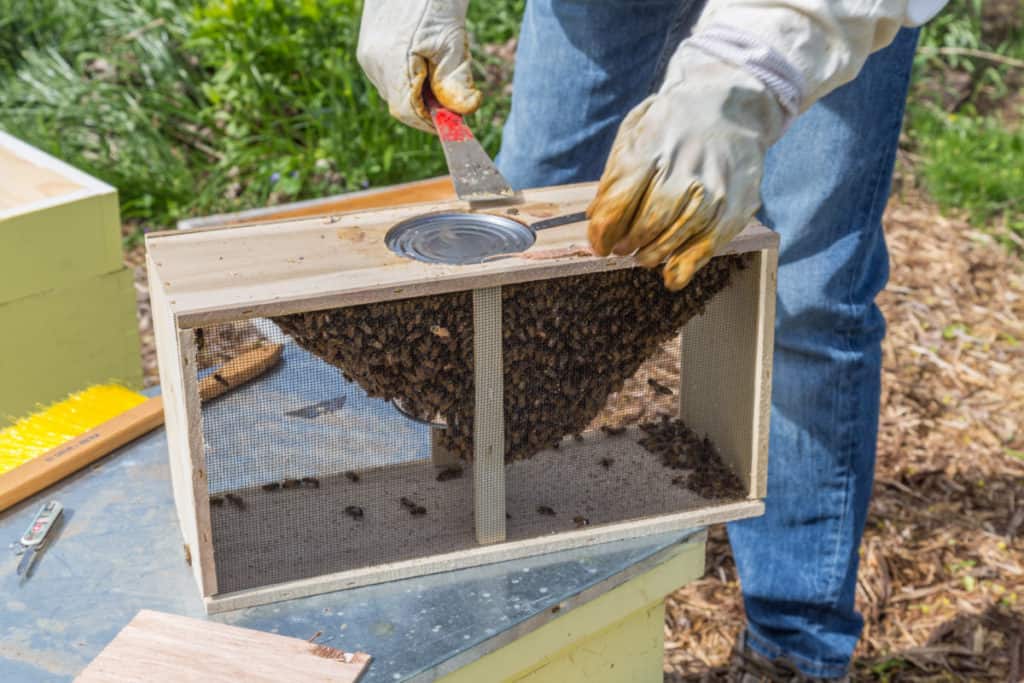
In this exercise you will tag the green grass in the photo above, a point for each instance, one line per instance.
(964, 116)
(191, 106)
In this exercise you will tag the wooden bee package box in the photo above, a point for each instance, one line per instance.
(430, 417)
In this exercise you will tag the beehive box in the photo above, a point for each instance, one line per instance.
(431, 417)
(67, 302)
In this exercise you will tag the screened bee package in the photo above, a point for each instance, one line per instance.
(427, 416)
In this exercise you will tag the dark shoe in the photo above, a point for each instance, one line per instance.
(748, 666)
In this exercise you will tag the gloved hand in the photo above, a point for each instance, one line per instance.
(402, 42)
(684, 173)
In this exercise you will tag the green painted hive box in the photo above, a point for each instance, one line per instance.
(67, 302)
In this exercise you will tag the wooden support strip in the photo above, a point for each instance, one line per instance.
(195, 464)
(489, 417)
(767, 262)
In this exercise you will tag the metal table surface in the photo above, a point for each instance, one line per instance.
(119, 550)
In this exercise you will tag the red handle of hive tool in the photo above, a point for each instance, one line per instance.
(450, 126)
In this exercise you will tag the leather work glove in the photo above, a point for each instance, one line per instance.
(402, 42)
(684, 173)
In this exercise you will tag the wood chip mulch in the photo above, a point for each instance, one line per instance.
(942, 575)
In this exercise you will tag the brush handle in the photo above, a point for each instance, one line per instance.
(50, 467)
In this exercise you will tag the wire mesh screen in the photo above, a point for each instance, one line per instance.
(358, 448)
(308, 475)
(609, 446)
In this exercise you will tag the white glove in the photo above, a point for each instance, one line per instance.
(684, 173)
(402, 42)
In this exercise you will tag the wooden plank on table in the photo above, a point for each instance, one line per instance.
(161, 647)
(223, 274)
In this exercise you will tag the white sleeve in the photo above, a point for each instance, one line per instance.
(922, 11)
(824, 42)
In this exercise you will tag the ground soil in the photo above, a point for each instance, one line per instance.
(942, 579)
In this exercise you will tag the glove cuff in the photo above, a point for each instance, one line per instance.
(761, 61)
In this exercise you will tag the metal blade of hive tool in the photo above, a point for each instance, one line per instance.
(474, 174)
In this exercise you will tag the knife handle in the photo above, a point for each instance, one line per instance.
(449, 125)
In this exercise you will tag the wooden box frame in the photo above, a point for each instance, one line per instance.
(215, 275)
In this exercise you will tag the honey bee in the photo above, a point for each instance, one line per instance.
(235, 500)
(659, 388)
(607, 463)
(612, 431)
(188, 554)
(216, 500)
(449, 473)
(418, 510)
(545, 510)
(272, 486)
(291, 484)
(352, 476)
(580, 521)
(354, 511)
(439, 331)
(311, 481)
(220, 380)
(407, 504)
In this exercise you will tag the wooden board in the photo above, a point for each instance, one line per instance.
(223, 274)
(161, 647)
(182, 419)
(26, 181)
(488, 417)
(417, 191)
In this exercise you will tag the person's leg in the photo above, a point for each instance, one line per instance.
(824, 190)
(580, 67)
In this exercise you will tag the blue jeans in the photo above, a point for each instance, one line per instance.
(581, 66)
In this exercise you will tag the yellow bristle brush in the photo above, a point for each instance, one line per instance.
(36, 434)
(42, 449)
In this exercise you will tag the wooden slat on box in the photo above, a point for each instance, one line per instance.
(159, 647)
(223, 274)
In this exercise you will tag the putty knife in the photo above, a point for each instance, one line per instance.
(474, 175)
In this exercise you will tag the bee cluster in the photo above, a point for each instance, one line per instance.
(681, 448)
(568, 343)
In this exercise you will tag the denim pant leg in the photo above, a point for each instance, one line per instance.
(581, 66)
(825, 187)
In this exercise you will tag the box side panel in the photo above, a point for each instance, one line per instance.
(60, 342)
(174, 386)
(725, 388)
(58, 246)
